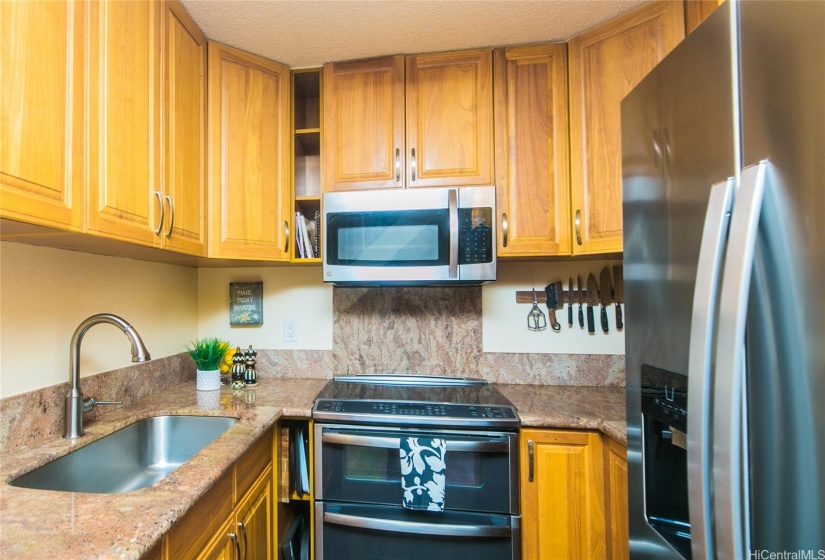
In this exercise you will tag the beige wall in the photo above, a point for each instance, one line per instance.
(45, 293)
(289, 293)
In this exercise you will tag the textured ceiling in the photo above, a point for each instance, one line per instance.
(302, 33)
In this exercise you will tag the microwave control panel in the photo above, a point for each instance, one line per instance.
(475, 237)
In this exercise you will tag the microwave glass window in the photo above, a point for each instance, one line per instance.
(475, 241)
(388, 243)
(408, 238)
(370, 464)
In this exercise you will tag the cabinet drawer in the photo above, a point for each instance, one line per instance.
(191, 533)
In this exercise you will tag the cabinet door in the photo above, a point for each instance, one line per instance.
(225, 545)
(364, 124)
(697, 10)
(450, 119)
(41, 112)
(249, 156)
(124, 120)
(184, 186)
(532, 182)
(255, 518)
(605, 64)
(562, 508)
(617, 500)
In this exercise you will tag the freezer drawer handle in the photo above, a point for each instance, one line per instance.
(443, 530)
(394, 443)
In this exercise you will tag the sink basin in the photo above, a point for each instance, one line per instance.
(131, 458)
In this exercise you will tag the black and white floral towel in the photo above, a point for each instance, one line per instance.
(423, 473)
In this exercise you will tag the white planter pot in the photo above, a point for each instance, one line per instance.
(209, 380)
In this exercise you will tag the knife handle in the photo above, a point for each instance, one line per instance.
(570, 314)
(619, 318)
(591, 322)
(553, 321)
(605, 326)
(581, 317)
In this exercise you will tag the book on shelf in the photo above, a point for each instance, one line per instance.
(305, 236)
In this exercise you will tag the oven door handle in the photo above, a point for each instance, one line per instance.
(491, 446)
(443, 530)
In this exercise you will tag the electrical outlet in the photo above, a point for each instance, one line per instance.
(290, 330)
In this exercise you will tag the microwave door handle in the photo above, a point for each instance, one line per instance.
(438, 529)
(452, 204)
(492, 446)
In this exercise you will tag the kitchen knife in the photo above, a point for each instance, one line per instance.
(582, 297)
(618, 295)
(605, 295)
(592, 301)
(551, 290)
(570, 302)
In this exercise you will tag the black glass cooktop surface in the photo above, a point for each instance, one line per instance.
(414, 400)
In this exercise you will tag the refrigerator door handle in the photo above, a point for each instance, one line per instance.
(729, 486)
(705, 298)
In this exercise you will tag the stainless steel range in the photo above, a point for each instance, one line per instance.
(370, 431)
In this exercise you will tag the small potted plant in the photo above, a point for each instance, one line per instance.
(208, 353)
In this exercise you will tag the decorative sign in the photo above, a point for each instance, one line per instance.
(246, 303)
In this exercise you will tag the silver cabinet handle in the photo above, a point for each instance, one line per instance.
(242, 527)
(439, 529)
(171, 216)
(730, 364)
(492, 446)
(505, 230)
(160, 221)
(234, 538)
(286, 235)
(700, 379)
(452, 205)
(398, 165)
(578, 222)
(412, 164)
(530, 461)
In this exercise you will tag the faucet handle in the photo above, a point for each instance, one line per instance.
(89, 403)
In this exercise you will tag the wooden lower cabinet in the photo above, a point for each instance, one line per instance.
(616, 480)
(235, 518)
(247, 533)
(571, 496)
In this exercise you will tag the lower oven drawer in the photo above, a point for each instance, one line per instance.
(364, 532)
(362, 465)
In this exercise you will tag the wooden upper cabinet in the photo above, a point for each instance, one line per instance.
(419, 121)
(124, 120)
(563, 506)
(532, 181)
(249, 145)
(605, 64)
(184, 133)
(41, 112)
(450, 119)
(364, 124)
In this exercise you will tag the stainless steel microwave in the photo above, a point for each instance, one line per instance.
(427, 236)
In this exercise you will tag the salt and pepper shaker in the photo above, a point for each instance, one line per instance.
(238, 369)
(250, 375)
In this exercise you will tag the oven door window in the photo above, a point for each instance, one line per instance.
(367, 469)
(362, 532)
(408, 238)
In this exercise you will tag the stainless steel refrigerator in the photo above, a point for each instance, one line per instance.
(723, 170)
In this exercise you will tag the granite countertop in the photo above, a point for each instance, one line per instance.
(45, 524)
(566, 406)
(68, 525)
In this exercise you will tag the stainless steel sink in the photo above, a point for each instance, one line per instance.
(131, 458)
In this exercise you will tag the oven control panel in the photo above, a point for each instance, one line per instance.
(397, 412)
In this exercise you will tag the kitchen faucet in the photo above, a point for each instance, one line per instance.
(76, 405)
